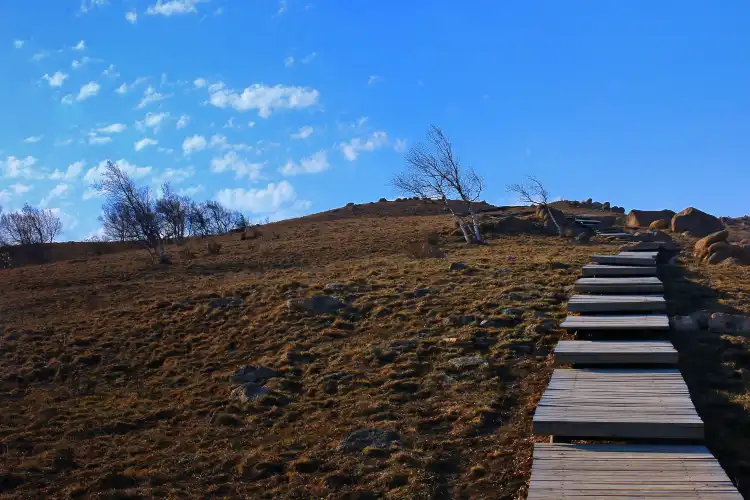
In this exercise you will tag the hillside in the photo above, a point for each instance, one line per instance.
(117, 374)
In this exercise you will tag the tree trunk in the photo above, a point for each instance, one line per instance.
(477, 234)
(461, 225)
(559, 229)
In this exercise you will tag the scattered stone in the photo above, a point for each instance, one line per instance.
(334, 376)
(421, 292)
(381, 200)
(557, 297)
(540, 314)
(357, 441)
(644, 218)
(467, 362)
(701, 318)
(517, 296)
(217, 303)
(252, 374)
(697, 222)
(457, 266)
(512, 311)
(497, 322)
(558, 265)
(541, 328)
(597, 205)
(331, 386)
(248, 392)
(318, 304)
(684, 323)
(606, 206)
(729, 323)
(334, 287)
(583, 237)
(659, 224)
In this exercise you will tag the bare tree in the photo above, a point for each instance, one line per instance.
(534, 193)
(220, 219)
(173, 210)
(29, 226)
(137, 208)
(434, 171)
(115, 221)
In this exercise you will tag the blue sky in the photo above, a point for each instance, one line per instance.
(282, 108)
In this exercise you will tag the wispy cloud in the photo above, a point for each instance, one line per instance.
(87, 5)
(56, 192)
(150, 96)
(56, 80)
(289, 62)
(193, 144)
(40, 55)
(88, 90)
(174, 7)
(154, 121)
(110, 72)
(33, 139)
(115, 128)
(314, 164)
(81, 45)
(125, 88)
(353, 148)
(231, 161)
(183, 121)
(144, 143)
(261, 98)
(374, 80)
(200, 83)
(302, 133)
(131, 16)
(72, 172)
(266, 200)
(14, 167)
(18, 43)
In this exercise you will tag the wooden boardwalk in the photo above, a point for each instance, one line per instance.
(610, 352)
(616, 303)
(617, 404)
(593, 270)
(648, 284)
(648, 322)
(563, 471)
(624, 260)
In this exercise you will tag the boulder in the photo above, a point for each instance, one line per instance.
(317, 304)
(659, 224)
(467, 362)
(701, 246)
(248, 392)
(606, 206)
(457, 266)
(597, 205)
(684, 323)
(508, 224)
(618, 210)
(369, 438)
(644, 218)
(697, 222)
(588, 202)
(718, 252)
(252, 374)
(652, 236)
(729, 323)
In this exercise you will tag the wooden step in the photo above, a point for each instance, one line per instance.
(609, 352)
(624, 260)
(627, 471)
(617, 404)
(628, 322)
(654, 254)
(619, 285)
(592, 270)
(616, 303)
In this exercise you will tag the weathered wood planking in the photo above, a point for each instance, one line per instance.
(616, 303)
(624, 260)
(627, 471)
(593, 270)
(617, 404)
(656, 352)
(648, 284)
(646, 253)
(629, 322)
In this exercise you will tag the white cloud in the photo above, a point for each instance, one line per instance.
(282, 7)
(183, 121)
(98, 140)
(18, 43)
(191, 191)
(67, 99)
(193, 144)
(308, 58)
(219, 11)
(125, 88)
(240, 167)
(357, 145)
(73, 171)
(88, 90)
(80, 46)
(200, 83)
(33, 139)
(115, 128)
(221, 143)
(91, 193)
(94, 174)
(289, 62)
(251, 124)
(144, 143)
(174, 7)
(262, 98)
(63, 142)
(20, 188)
(87, 5)
(400, 145)
(43, 54)
(303, 133)
(80, 63)
(16, 167)
(374, 80)
(174, 175)
(151, 95)
(314, 164)
(230, 124)
(56, 80)
(152, 121)
(131, 16)
(56, 192)
(110, 72)
(269, 199)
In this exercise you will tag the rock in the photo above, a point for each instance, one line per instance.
(512, 311)
(317, 304)
(541, 328)
(597, 205)
(421, 292)
(467, 362)
(652, 236)
(331, 386)
(733, 261)
(457, 266)
(644, 218)
(618, 210)
(540, 314)
(701, 318)
(583, 237)
(334, 287)
(718, 252)
(588, 202)
(697, 222)
(659, 224)
(217, 303)
(517, 296)
(251, 374)
(557, 297)
(381, 200)
(702, 245)
(357, 441)
(606, 206)
(558, 265)
(248, 392)
(508, 225)
(684, 323)
(498, 322)
(729, 323)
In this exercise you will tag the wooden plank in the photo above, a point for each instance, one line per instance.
(617, 404)
(593, 270)
(657, 352)
(627, 471)
(616, 303)
(648, 322)
(645, 253)
(619, 285)
(624, 260)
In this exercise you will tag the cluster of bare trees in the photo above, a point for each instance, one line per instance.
(435, 172)
(28, 226)
(133, 213)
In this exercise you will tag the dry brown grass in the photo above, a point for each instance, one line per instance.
(115, 372)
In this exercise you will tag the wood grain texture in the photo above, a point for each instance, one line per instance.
(624, 260)
(617, 303)
(648, 322)
(563, 471)
(617, 404)
(647, 284)
(608, 352)
(603, 270)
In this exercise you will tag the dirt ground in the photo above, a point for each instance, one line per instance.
(116, 374)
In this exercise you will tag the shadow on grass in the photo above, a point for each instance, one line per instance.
(715, 369)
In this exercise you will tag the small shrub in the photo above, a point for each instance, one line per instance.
(5, 262)
(187, 253)
(424, 250)
(213, 247)
(251, 234)
(433, 239)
